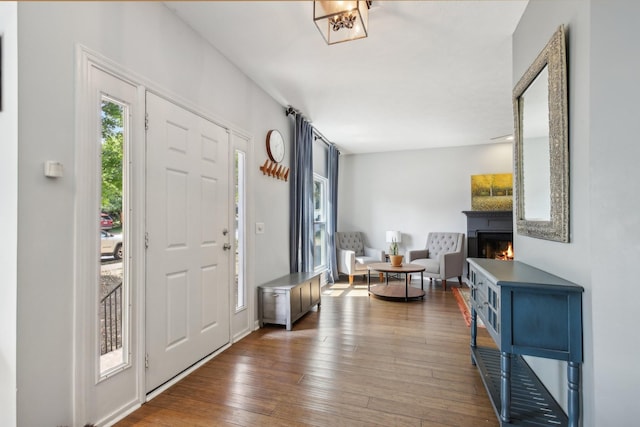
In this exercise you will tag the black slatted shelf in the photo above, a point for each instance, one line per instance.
(531, 403)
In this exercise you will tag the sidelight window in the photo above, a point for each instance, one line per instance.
(113, 313)
(239, 228)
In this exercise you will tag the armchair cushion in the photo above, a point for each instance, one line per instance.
(366, 259)
(431, 266)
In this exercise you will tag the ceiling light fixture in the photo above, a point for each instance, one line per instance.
(341, 21)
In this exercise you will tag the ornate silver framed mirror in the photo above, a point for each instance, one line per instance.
(541, 151)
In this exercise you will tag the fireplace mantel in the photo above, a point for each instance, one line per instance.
(488, 221)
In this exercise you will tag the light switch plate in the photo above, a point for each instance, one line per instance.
(53, 169)
(259, 227)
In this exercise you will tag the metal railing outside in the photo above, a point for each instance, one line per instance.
(111, 321)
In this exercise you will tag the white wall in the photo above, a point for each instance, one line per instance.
(570, 261)
(614, 204)
(413, 191)
(146, 38)
(604, 228)
(8, 211)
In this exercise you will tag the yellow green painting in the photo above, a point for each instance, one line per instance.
(492, 192)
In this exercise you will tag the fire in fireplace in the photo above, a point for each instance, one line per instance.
(495, 245)
(506, 255)
(490, 234)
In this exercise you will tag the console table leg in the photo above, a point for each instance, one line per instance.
(474, 321)
(474, 331)
(573, 378)
(369, 281)
(505, 386)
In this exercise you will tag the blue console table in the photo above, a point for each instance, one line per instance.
(526, 311)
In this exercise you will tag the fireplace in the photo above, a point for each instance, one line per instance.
(489, 234)
(495, 245)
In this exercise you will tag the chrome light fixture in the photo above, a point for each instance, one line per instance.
(341, 21)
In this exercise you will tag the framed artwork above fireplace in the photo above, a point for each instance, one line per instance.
(492, 192)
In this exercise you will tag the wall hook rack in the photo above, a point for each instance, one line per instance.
(275, 170)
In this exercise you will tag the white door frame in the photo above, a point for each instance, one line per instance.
(84, 221)
(242, 323)
(85, 370)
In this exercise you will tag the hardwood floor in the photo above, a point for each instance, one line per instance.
(357, 361)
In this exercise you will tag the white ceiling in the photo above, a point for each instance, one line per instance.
(430, 74)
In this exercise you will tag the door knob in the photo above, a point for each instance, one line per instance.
(226, 246)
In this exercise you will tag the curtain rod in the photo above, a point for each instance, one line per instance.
(318, 135)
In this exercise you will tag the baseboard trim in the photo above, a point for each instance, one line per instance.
(120, 414)
(158, 391)
(241, 335)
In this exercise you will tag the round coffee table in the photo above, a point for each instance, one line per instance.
(395, 291)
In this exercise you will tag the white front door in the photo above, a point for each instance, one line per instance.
(187, 208)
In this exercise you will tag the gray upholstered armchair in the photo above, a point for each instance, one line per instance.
(442, 258)
(353, 256)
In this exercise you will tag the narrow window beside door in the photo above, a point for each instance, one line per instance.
(240, 193)
(113, 318)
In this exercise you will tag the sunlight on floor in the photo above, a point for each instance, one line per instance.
(358, 293)
(344, 289)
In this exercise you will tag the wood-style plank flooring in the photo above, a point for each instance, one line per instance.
(357, 361)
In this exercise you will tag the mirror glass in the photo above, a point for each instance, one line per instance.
(541, 151)
(536, 171)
